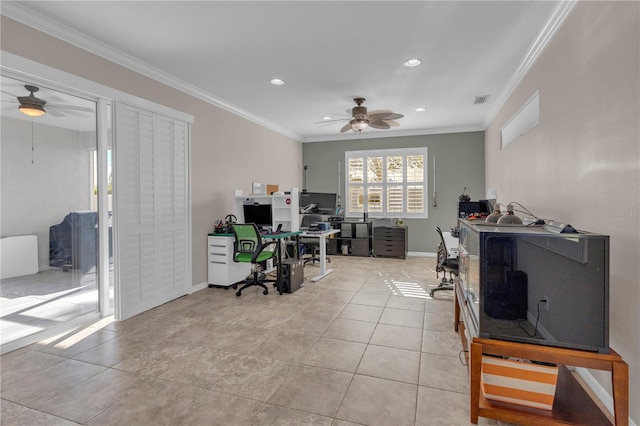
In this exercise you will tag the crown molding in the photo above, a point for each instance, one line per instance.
(376, 134)
(557, 18)
(18, 12)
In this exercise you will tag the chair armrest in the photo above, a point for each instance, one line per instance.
(262, 248)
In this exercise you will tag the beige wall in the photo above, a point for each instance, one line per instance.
(227, 151)
(581, 163)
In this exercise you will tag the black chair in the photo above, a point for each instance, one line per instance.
(249, 248)
(311, 245)
(445, 264)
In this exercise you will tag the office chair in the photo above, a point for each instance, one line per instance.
(312, 243)
(445, 264)
(249, 248)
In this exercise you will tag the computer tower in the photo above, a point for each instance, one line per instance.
(292, 275)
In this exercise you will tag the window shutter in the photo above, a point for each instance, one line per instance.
(151, 210)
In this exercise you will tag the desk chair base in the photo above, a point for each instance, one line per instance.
(255, 281)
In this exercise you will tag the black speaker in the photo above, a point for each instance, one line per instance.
(292, 275)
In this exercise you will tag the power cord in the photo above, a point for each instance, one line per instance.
(535, 329)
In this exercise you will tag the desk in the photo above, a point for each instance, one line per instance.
(280, 236)
(322, 235)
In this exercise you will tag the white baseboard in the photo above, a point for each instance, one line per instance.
(600, 392)
(421, 254)
(199, 287)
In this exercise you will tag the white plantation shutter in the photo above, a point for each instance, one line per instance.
(386, 183)
(152, 210)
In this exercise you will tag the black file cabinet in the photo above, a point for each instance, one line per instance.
(390, 241)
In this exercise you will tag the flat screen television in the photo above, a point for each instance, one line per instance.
(325, 203)
(530, 285)
(260, 214)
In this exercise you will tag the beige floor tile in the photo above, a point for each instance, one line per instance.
(223, 336)
(351, 330)
(410, 303)
(50, 382)
(437, 407)
(396, 336)
(192, 365)
(390, 363)
(75, 342)
(370, 299)
(441, 342)
(361, 312)
(313, 389)
(374, 401)
(403, 317)
(381, 287)
(338, 295)
(115, 350)
(313, 323)
(151, 402)
(335, 354)
(254, 377)
(275, 415)
(441, 305)
(216, 408)
(22, 363)
(438, 321)
(286, 346)
(444, 372)
(14, 414)
(89, 398)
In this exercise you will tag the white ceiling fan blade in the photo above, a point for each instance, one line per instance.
(71, 107)
(392, 123)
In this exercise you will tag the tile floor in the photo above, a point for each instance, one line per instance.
(365, 345)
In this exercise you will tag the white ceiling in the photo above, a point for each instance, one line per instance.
(328, 52)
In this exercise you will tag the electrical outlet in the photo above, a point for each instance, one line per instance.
(548, 302)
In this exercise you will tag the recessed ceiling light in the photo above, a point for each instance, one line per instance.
(277, 81)
(326, 117)
(412, 62)
(420, 109)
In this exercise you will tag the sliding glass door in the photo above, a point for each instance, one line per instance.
(55, 211)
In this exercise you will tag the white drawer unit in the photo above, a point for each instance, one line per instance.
(223, 271)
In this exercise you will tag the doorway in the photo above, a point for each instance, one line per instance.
(55, 215)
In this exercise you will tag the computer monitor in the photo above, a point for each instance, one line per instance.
(325, 203)
(260, 214)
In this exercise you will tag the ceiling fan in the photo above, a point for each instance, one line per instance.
(35, 107)
(361, 119)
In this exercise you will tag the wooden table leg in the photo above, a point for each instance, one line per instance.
(620, 384)
(476, 368)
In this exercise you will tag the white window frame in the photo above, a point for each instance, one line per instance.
(384, 153)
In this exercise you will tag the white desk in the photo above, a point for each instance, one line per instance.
(323, 250)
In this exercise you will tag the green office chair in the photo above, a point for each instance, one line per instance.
(249, 248)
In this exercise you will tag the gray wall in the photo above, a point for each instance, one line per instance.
(459, 163)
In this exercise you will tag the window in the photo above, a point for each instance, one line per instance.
(386, 183)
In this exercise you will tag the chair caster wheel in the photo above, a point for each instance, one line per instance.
(432, 293)
(265, 292)
(235, 286)
(238, 293)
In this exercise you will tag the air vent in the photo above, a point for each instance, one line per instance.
(481, 99)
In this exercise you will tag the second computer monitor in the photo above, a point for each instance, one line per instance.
(325, 203)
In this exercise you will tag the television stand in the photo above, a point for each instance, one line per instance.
(561, 413)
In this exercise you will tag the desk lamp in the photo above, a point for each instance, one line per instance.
(496, 215)
(509, 218)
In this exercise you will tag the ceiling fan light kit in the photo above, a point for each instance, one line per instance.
(30, 105)
(361, 119)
